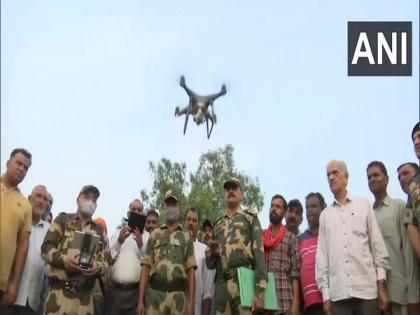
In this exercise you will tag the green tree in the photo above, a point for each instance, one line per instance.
(145, 199)
(207, 184)
(204, 190)
(167, 176)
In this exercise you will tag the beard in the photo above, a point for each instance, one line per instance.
(275, 219)
(38, 211)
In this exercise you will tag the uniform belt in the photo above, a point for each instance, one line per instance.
(125, 286)
(229, 273)
(71, 285)
(176, 285)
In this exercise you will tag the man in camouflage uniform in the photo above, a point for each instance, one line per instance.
(70, 288)
(238, 243)
(412, 213)
(168, 267)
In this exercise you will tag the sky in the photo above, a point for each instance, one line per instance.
(90, 89)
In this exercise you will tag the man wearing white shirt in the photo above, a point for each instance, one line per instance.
(351, 259)
(127, 250)
(46, 215)
(29, 294)
(204, 278)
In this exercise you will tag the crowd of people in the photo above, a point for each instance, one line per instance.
(354, 258)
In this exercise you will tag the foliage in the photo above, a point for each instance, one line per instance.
(204, 189)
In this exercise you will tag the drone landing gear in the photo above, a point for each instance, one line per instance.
(186, 121)
(211, 128)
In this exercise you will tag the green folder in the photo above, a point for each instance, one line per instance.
(246, 279)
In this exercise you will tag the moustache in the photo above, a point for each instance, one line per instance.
(38, 210)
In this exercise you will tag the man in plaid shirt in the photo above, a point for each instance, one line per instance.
(282, 258)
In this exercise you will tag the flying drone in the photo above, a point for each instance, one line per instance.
(198, 107)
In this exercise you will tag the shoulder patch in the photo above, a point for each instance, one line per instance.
(154, 233)
(249, 215)
(61, 214)
(61, 217)
(251, 212)
(100, 231)
(218, 220)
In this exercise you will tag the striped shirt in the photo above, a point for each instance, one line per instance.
(307, 250)
(351, 254)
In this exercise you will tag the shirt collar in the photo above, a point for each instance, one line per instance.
(309, 231)
(348, 199)
(3, 186)
(88, 221)
(231, 216)
(386, 201)
(41, 223)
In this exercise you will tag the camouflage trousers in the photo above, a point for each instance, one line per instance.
(164, 303)
(227, 299)
(62, 301)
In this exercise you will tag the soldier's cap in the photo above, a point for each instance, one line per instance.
(232, 180)
(207, 222)
(415, 129)
(170, 195)
(90, 189)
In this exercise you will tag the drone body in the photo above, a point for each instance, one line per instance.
(198, 107)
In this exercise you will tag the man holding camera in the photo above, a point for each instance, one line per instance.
(71, 283)
(127, 248)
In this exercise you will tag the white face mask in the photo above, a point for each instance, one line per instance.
(87, 208)
(171, 214)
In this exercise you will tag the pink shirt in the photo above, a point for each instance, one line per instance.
(307, 250)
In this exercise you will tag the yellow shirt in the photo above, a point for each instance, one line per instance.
(15, 218)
